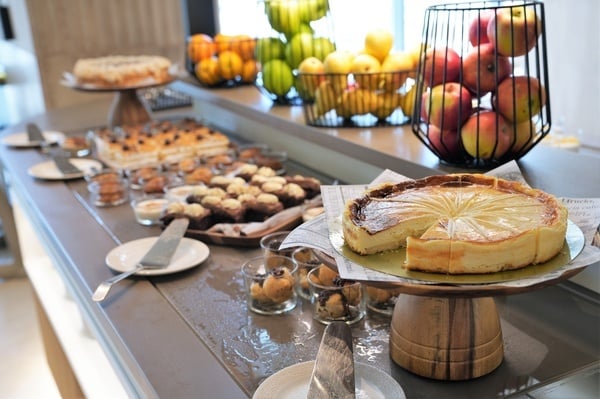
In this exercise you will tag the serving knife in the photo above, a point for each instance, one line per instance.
(34, 134)
(65, 166)
(158, 256)
(333, 374)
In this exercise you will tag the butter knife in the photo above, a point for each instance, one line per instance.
(158, 256)
(65, 166)
(34, 134)
(333, 374)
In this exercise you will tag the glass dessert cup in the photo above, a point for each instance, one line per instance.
(270, 284)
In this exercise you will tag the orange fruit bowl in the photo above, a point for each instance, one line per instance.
(222, 60)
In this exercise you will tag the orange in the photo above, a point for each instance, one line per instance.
(230, 65)
(243, 45)
(200, 47)
(207, 71)
(223, 42)
(249, 71)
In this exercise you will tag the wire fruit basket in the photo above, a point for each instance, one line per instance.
(482, 83)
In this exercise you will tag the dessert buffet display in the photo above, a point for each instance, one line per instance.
(482, 82)
(138, 145)
(458, 224)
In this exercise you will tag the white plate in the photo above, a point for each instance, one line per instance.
(189, 253)
(49, 171)
(292, 383)
(22, 139)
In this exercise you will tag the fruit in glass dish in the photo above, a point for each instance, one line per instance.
(378, 43)
(365, 69)
(442, 64)
(478, 27)
(483, 69)
(446, 106)
(519, 98)
(514, 30)
(277, 77)
(486, 135)
(445, 142)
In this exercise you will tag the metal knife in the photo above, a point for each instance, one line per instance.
(65, 166)
(333, 374)
(158, 256)
(34, 134)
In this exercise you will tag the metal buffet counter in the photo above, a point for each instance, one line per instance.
(190, 334)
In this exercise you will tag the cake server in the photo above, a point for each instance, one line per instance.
(34, 134)
(65, 166)
(158, 256)
(333, 374)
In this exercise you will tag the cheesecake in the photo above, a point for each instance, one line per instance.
(457, 223)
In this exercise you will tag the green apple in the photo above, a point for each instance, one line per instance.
(304, 45)
(269, 48)
(311, 73)
(323, 47)
(277, 77)
(312, 10)
(284, 16)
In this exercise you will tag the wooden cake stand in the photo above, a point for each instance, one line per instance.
(127, 108)
(452, 331)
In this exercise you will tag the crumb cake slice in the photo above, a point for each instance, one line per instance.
(458, 224)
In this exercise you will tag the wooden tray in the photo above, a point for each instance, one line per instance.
(252, 240)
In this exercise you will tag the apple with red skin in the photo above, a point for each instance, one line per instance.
(446, 143)
(486, 135)
(446, 105)
(442, 64)
(514, 30)
(478, 28)
(523, 134)
(519, 98)
(483, 69)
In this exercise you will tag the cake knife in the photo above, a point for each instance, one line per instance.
(158, 256)
(333, 374)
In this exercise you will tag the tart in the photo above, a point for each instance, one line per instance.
(457, 224)
(122, 70)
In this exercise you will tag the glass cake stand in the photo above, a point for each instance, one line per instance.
(447, 327)
(127, 108)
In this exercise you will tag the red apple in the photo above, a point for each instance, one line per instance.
(483, 69)
(442, 64)
(519, 98)
(446, 106)
(486, 135)
(514, 30)
(478, 28)
(446, 143)
(523, 134)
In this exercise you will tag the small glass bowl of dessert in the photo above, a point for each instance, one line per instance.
(270, 286)
(109, 191)
(381, 300)
(149, 209)
(333, 298)
(76, 146)
(271, 244)
(306, 260)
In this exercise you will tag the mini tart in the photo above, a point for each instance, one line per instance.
(458, 224)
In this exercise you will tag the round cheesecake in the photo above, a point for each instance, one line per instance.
(458, 223)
